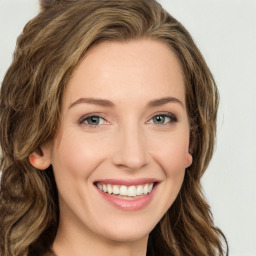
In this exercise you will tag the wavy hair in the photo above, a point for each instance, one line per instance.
(49, 49)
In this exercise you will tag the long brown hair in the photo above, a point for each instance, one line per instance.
(50, 47)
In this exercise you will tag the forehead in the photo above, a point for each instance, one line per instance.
(123, 71)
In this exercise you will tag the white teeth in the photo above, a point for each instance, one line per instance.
(132, 191)
(99, 186)
(126, 190)
(109, 189)
(123, 190)
(145, 189)
(140, 190)
(116, 190)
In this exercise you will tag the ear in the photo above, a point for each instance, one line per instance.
(41, 157)
(189, 159)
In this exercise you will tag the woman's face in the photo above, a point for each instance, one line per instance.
(124, 129)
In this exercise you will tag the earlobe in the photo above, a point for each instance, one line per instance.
(41, 157)
(189, 159)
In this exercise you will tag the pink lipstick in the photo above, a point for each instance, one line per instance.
(128, 195)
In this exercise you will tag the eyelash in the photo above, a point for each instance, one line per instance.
(173, 119)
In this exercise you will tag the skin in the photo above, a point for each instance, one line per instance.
(127, 143)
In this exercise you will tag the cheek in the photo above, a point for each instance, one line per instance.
(172, 154)
(173, 163)
(171, 159)
(77, 157)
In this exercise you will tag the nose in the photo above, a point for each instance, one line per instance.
(131, 149)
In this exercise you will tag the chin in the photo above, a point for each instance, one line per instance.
(126, 231)
(126, 236)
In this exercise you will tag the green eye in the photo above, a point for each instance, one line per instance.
(164, 119)
(93, 120)
(159, 119)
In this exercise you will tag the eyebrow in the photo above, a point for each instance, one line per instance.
(108, 103)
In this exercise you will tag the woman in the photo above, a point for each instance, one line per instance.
(108, 121)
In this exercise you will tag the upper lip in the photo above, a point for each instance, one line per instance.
(127, 182)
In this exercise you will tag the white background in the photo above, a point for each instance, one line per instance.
(225, 31)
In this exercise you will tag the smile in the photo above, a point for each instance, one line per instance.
(127, 195)
(124, 191)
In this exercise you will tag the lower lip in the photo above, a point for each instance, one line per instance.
(129, 205)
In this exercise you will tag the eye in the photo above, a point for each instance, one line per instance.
(95, 120)
(92, 120)
(163, 119)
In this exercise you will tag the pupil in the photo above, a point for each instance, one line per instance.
(159, 119)
(94, 120)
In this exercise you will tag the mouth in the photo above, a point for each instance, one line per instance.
(127, 195)
(126, 192)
